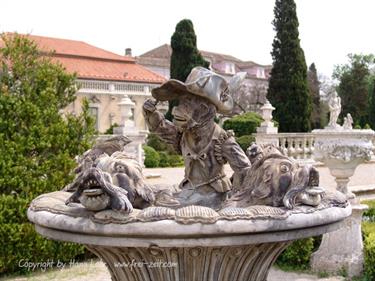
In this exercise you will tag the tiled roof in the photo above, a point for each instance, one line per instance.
(163, 52)
(90, 62)
(160, 57)
(109, 70)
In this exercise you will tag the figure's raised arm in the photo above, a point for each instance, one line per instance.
(157, 124)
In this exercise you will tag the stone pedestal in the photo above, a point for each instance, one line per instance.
(342, 249)
(342, 151)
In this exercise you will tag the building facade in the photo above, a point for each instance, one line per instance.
(104, 78)
(252, 94)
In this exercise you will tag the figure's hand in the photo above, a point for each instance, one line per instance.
(149, 105)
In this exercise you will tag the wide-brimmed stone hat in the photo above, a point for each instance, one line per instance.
(204, 83)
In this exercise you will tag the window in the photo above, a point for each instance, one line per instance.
(94, 112)
(229, 68)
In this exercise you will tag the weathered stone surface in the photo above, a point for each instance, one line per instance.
(46, 206)
(251, 262)
(343, 248)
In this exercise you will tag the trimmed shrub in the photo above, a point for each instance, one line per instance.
(152, 157)
(154, 141)
(245, 141)
(368, 230)
(175, 160)
(109, 131)
(370, 213)
(164, 159)
(297, 255)
(244, 124)
(367, 126)
(20, 243)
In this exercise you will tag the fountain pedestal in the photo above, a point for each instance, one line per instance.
(343, 248)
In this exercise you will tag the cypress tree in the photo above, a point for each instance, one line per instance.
(314, 86)
(288, 90)
(185, 55)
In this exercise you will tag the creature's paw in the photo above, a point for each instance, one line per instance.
(146, 193)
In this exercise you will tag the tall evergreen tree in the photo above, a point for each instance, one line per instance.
(314, 87)
(185, 55)
(288, 90)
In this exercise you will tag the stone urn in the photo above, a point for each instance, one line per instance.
(189, 243)
(342, 151)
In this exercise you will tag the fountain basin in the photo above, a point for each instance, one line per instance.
(190, 243)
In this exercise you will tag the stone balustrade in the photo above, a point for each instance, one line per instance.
(300, 146)
(297, 145)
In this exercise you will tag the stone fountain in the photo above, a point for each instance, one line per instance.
(342, 149)
(212, 226)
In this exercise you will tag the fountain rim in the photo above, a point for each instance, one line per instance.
(170, 233)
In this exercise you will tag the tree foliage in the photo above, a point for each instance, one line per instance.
(371, 109)
(288, 90)
(37, 143)
(185, 55)
(314, 89)
(354, 86)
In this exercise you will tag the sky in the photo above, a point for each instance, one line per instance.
(329, 29)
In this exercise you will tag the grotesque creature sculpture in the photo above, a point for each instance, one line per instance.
(114, 182)
(204, 145)
(275, 180)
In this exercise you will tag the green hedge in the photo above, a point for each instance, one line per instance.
(245, 141)
(152, 158)
(158, 144)
(368, 230)
(160, 154)
(20, 243)
(297, 255)
(244, 124)
(370, 213)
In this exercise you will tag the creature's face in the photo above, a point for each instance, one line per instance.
(193, 111)
(277, 176)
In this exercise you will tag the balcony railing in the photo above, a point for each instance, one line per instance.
(107, 87)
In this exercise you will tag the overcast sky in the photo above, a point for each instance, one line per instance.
(329, 29)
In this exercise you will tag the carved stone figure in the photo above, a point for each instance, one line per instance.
(348, 122)
(114, 182)
(275, 180)
(334, 104)
(205, 146)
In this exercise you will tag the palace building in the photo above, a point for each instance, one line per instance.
(104, 78)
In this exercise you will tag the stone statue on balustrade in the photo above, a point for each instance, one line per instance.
(334, 105)
(348, 122)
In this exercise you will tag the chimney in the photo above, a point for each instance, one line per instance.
(128, 52)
